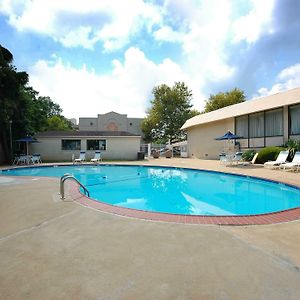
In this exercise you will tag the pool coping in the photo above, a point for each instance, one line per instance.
(241, 220)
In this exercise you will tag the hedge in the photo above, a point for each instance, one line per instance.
(267, 154)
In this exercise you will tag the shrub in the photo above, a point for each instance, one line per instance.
(268, 153)
(293, 146)
(248, 155)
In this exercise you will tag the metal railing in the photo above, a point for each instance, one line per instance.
(62, 187)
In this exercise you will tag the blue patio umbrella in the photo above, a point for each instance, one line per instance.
(228, 136)
(28, 140)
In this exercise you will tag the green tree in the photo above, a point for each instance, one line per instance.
(12, 101)
(170, 108)
(57, 122)
(21, 105)
(224, 99)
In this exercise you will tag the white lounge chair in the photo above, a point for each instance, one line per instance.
(281, 158)
(97, 157)
(294, 164)
(81, 157)
(252, 162)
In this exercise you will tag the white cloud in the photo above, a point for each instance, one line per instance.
(83, 23)
(202, 29)
(258, 21)
(82, 92)
(287, 79)
(167, 34)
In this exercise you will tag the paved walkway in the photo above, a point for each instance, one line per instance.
(51, 249)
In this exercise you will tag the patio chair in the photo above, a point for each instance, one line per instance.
(293, 165)
(281, 158)
(20, 159)
(36, 158)
(223, 158)
(237, 157)
(81, 157)
(97, 157)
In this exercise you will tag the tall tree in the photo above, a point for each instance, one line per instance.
(21, 109)
(170, 108)
(224, 99)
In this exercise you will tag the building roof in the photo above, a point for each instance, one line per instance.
(73, 133)
(250, 106)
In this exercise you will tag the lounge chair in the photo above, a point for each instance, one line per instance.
(81, 157)
(281, 158)
(293, 165)
(252, 162)
(97, 157)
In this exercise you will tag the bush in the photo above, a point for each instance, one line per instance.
(268, 153)
(293, 146)
(248, 155)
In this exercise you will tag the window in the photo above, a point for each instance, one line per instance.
(256, 123)
(295, 120)
(274, 122)
(70, 144)
(241, 126)
(96, 145)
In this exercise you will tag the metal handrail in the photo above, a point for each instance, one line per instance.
(62, 187)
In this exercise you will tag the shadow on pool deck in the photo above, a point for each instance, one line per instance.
(60, 250)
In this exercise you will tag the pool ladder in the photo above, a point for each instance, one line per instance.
(62, 187)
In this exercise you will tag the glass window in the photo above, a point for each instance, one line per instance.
(295, 120)
(274, 122)
(96, 144)
(256, 123)
(241, 126)
(71, 144)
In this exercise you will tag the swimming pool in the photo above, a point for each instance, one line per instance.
(176, 190)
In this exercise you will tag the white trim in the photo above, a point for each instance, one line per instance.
(290, 97)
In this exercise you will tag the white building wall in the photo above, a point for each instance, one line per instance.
(124, 148)
(201, 139)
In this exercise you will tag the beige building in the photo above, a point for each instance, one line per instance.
(63, 145)
(111, 121)
(266, 121)
(115, 135)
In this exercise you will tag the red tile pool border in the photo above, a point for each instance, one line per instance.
(263, 219)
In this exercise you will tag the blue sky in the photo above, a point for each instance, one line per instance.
(95, 56)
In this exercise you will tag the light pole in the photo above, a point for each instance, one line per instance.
(10, 140)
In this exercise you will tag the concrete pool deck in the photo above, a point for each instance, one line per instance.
(51, 249)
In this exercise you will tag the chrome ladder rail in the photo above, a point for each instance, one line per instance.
(62, 187)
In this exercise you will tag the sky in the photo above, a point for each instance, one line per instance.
(96, 56)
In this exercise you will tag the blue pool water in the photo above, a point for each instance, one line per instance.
(174, 190)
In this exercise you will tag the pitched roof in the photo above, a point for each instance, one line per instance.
(250, 106)
(80, 133)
